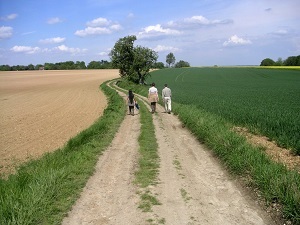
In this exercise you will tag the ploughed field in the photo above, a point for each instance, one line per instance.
(41, 110)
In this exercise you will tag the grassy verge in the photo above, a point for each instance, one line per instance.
(275, 182)
(42, 191)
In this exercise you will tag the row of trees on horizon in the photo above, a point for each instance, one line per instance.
(290, 61)
(79, 65)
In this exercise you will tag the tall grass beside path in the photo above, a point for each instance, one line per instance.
(276, 183)
(43, 191)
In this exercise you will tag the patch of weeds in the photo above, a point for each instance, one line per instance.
(147, 201)
(184, 195)
(156, 221)
(177, 164)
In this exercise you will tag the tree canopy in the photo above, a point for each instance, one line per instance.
(182, 63)
(290, 61)
(267, 62)
(134, 63)
(170, 59)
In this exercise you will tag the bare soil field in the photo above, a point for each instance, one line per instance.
(41, 110)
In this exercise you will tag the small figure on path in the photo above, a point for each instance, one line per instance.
(153, 97)
(131, 102)
(166, 96)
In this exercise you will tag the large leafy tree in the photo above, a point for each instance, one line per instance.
(182, 63)
(267, 62)
(134, 63)
(170, 59)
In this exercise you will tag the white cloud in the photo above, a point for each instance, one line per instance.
(25, 49)
(103, 53)
(162, 48)
(235, 40)
(99, 26)
(9, 17)
(64, 48)
(5, 32)
(55, 40)
(281, 32)
(61, 48)
(196, 21)
(92, 31)
(116, 27)
(54, 20)
(99, 22)
(156, 31)
(29, 32)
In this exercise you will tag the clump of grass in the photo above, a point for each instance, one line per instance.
(147, 201)
(149, 160)
(185, 195)
(43, 191)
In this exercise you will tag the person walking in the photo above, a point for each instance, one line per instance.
(166, 96)
(131, 102)
(153, 97)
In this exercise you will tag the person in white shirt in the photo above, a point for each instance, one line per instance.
(153, 97)
(166, 96)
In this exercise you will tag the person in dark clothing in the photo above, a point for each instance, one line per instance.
(131, 102)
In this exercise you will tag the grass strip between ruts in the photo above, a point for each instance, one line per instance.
(147, 173)
(275, 182)
(43, 191)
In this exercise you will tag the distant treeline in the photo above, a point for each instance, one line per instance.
(68, 65)
(290, 61)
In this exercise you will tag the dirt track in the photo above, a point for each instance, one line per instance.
(41, 110)
(193, 188)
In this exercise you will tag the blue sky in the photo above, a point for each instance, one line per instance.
(201, 32)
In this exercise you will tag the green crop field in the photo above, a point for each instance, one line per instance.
(266, 101)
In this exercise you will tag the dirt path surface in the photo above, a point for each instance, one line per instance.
(193, 188)
(41, 110)
(110, 195)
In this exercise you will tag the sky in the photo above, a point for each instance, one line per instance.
(200, 32)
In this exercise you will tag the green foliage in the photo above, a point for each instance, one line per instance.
(103, 64)
(134, 63)
(43, 190)
(290, 61)
(266, 101)
(267, 62)
(181, 64)
(5, 68)
(170, 59)
(158, 65)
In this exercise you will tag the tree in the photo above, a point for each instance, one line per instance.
(5, 68)
(144, 59)
(267, 62)
(182, 63)
(134, 63)
(292, 61)
(279, 62)
(80, 65)
(170, 59)
(158, 65)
